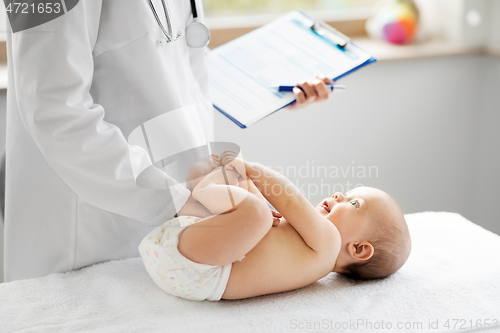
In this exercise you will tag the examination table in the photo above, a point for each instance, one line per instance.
(451, 282)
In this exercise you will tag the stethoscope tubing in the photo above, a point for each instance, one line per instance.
(169, 31)
(193, 9)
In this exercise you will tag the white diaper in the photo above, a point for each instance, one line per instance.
(176, 274)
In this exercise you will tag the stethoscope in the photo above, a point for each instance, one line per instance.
(197, 34)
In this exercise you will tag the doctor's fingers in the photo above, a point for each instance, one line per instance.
(309, 91)
(325, 79)
(321, 90)
(305, 94)
(300, 100)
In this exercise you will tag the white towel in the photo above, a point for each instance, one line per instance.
(452, 277)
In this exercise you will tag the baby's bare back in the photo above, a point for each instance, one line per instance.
(281, 261)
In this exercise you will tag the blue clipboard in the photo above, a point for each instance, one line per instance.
(311, 28)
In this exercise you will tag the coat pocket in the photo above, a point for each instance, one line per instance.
(122, 22)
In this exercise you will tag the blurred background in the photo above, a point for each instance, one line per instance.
(422, 123)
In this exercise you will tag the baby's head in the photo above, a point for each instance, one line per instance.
(375, 237)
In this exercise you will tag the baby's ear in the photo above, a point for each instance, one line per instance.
(361, 251)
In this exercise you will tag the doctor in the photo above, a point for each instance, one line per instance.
(78, 87)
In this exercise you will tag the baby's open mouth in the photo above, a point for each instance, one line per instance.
(325, 206)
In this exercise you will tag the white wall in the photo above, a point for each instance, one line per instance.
(3, 23)
(3, 104)
(485, 195)
(494, 30)
(466, 21)
(1, 251)
(430, 126)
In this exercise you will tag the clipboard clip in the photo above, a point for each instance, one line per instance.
(330, 33)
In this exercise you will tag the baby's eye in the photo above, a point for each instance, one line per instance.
(355, 203)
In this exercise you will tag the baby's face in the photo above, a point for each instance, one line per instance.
(354, 213)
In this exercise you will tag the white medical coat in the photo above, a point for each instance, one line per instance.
(78, 85)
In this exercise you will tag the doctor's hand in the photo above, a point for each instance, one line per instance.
(310, 92)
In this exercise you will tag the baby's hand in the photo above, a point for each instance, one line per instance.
(276, 217)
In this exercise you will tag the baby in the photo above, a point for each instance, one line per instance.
(235, 252)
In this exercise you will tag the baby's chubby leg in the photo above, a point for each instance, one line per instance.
(225, 238)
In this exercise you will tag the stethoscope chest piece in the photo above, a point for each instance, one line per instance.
(197, 35)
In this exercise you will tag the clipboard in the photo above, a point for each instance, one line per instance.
(243, 71)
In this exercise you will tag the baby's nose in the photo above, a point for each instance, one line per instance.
(338, 196)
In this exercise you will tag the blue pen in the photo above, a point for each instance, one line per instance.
(333, 87)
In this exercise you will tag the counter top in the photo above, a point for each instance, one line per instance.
(385, 51)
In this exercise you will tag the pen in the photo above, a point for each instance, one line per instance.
(333, 87)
